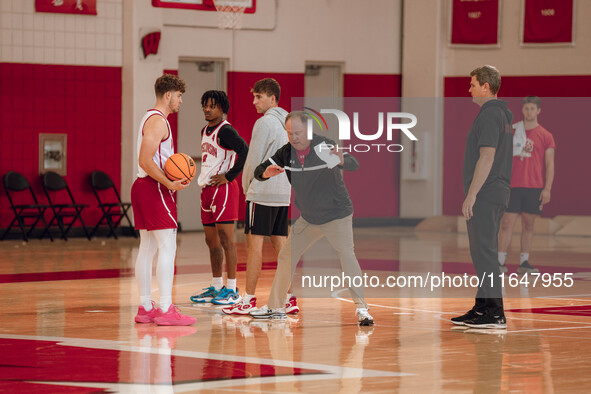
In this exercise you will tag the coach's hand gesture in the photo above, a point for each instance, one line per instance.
(272, 170)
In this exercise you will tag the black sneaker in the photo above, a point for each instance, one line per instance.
(503, 268)
(525, 268)
(487, 321)
(459, 320)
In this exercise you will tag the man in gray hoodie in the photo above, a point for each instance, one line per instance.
(267, 203)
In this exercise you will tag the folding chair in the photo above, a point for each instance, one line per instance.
(54, 184)
(16, 183)
(114, 211)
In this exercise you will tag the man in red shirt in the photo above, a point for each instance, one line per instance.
(531, 182)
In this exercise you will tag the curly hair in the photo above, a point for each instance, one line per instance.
(168, 83)
(218, 97)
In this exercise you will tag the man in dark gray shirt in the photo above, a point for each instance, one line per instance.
(325, 206)
(488, 160)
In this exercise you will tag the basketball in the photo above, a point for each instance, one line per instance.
(179, 166)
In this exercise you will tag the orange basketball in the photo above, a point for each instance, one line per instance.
(179, 166)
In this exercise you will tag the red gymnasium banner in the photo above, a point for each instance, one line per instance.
(475, 22)
(548, 21)
(86, 7)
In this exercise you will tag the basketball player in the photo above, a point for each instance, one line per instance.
(487, 180)
(267, 203)
(326, 211)
(154, 206)
(531, 182)
(223, 155)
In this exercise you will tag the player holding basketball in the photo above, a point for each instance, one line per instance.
(531, 182)
(267, 203)
(326, 211)
(154, 206)
(223, 155)
(487, 180)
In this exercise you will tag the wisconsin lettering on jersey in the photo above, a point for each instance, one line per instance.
(208, 148)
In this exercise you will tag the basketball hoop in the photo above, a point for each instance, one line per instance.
(230, 13)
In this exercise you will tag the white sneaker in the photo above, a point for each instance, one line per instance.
(363, 317)
(266, 313)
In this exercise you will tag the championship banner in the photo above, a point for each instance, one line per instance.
(84, 7)
(548, 21)
(475, 22)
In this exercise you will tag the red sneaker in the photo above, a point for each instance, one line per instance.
(144, 316)
(291, 306)
(173, 317)
(241, 308)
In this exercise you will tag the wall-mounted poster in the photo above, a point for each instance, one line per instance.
(475, 22)
(548, 22)
(85, 7)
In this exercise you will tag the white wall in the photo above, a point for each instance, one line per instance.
(30, 37)
(365, 35)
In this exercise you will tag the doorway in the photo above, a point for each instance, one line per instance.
(323, 88)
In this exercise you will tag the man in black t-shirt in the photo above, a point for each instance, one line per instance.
(488, 160)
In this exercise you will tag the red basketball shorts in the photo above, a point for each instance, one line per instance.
(154, 206)
(220, 203)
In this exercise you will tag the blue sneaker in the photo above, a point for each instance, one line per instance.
(208, 295)
(227, 297)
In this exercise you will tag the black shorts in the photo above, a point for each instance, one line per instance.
(265, 220)
(524, 199)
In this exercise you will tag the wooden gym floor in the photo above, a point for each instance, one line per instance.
(68, 308)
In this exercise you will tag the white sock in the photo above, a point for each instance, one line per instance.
(231, 284)
(165, 267)
(248, 297)
(146, 302)
(502, 257)
(287, 297)
(217, 283)
(165, 303)
(523, 257)
(143, 267)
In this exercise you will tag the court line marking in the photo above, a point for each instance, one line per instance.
(328, 372)
(439, 313)
(550, 329)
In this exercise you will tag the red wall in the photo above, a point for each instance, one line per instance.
(563, 113)
(82, 102)
(379, 173)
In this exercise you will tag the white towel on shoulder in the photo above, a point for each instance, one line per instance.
(518, 138)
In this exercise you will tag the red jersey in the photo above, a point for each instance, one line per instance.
(529, 168)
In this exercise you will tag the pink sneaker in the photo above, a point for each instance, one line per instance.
(173, 317)
(144, 316)
(241, 308)
(291, 307)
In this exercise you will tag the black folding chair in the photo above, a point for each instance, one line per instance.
(54, 184)
(113, 211)
(17, 183)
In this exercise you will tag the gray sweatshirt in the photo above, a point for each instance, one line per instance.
(268, 135)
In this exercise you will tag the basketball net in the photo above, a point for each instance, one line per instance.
(230, 13)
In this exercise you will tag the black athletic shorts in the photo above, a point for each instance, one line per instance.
(524, 199)
(265, 220)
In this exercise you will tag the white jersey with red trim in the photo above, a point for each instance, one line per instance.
(214, 158)
(165, 149)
